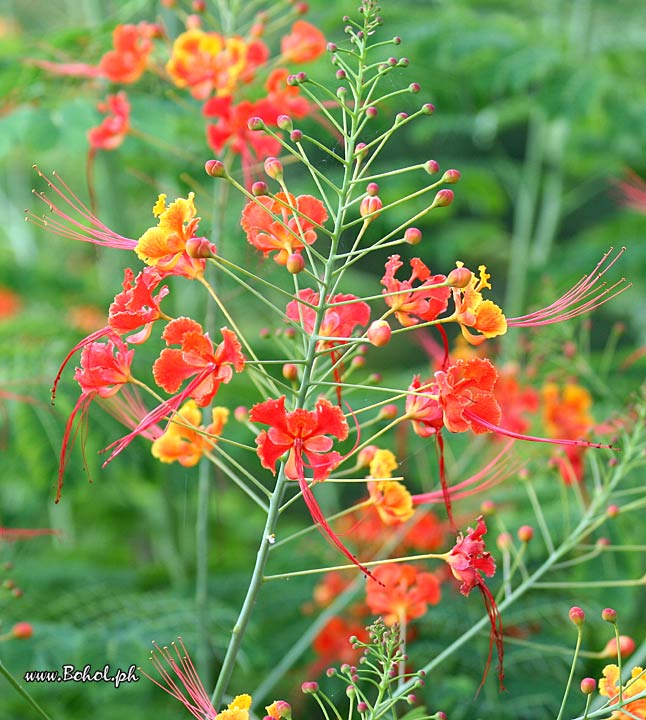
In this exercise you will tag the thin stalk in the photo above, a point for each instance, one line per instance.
(22, 692)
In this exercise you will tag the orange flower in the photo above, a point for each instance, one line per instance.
(566, 410)
(284, 223)
(185, 440)
(332, 642)
(473, 311)
(115, 126)
(238, 709)
(402, 593)
(132, 45)
(516, 402)
(9, 303)
(391, 499)
(209, 62)
(608, 687)
(286, 97)
(303, 44)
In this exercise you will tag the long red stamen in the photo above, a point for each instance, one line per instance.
(519, 436)
(585, 296)
(495, 634)
(446, 496)
(93, 337)
(69, 437)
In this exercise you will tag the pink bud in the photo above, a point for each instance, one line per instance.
(525, 533)
(389, 412)
(241, 413)
(331, 47)
(612, 511)
(431, 167)
(411, 699)
(577, 616)
(459, 278)
(451, 176)
(372, 189)
(488, 507)
(274, 168)
(400, 117)
(360, 150)
(296, 136)
(443, 198)
(200, 248)
(295, 263)
(22, 630)
(301, 8)
(414, 88)
(396, 40)
(609, 615)
(259, 188)
(309, 687)
(413, 236)
(369, 205)
(626, 645)
(428, 109)
(588, 685)
(199, 6)
(379, 333)
(362, 707)
(358, 362)
(284, 122)
(371, 112)
(215, 168)
(504, 541)
(17, 592)
(255, 123)
(365, 456)
(290, 372)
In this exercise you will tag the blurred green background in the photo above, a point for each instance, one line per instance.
(541, 106)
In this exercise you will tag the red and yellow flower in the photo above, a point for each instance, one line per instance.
(609, 687)
(402, 592)
(473, 311)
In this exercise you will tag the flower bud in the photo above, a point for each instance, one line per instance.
(414, 88)
(428, 109)
(282, 708)
(341, 74)
(403, 62)
(301, 8)
(331, 47)
(588, 685)
(360, 150)
(17, 592)
(612, 511)
(525, 533)
(372, 189)
(388, 412)
(215, 168)
(451, 176)
(241, 413)
(626, 645)
(400, 117)
(396, 40)
(459, 278)
(199, 6)
(290, 333)
(256, 123)
(193, 22)
(488, 507)
(274, 168)
(370, 206)
(301, 77)
(358, 362)
(330, 672)
(22, 630)
(309, 687)
(413, 236)
(362, 707)
(609, 615)
(365, 456)
(200, 248)
(290, 372)
(296, 136)
(431, 167)
(379, 333)
(295, 263)
(411, 699)
(371, 111)
(504, 541)
(284, 122)
(259, 188)
(351, 691)
(341, 92)
(443, 198)
(577, 616)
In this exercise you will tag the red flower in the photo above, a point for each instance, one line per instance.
(332, 644)
(468, 560)
(412, 305)
(198, 359)
(303, 44)
(423, 408)
(287, 99)
(136, 305)
(283, 223)
(404, 593)
(132, 45)
(517, 403)
(115, 126)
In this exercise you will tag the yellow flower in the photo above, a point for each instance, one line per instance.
(473, 311)
(608, 687)
(238, 709)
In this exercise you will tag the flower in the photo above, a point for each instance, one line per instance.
(517, 402)
(474, 312)
(468, 561)
(179, 678)
(608, 687)
(185, 440)
(198, 359)
(286, 99)
(332, 645)
(283, 223)
(422, 407)
(206, 62)
(114, 127)
(237, 709)
(10, 303)
(391, 499)
(410, 305)
(633, 192)
(164, 246)
(104, 369)
(303, 44)
(404, 594)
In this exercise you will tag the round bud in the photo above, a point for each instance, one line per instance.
(612, 511)
(289, 333)
(431, 167)
(362, 707)
(626, 646)
(414, 88)
(291, 80)
(264, 333)
(351, 691)
(17, 592)
(451, 176)
(255, 123)
(371, 111)
(609, 615)
(370, 206)
(389, 412)
(330, 672)
(193, 22)
(603, 542)
(309, 687)
(290, 372)
(295, 263)
(396, 40)
(296, 136)
(504, 541)
(441, 715)
(411, 699)
(22, 630)
(366, 454)
(341, 92)
(341, 74)
(301, 77)
(331, 47)
(8, 584)
(488, 507)
(400, 117)
(215, 168)
(577, 616)
(200, 248)
(391, 61)
(428, 109)
(199, 6)
(360, 150)
(259, 188)
(241, 413)
(274, 168)
(459, 278)
(413, 236)
(284, 122)
(525, 533)
(588, 685)
(403, 62)
(302, 8)
(379, 333)
(443, 198)
(358, 362)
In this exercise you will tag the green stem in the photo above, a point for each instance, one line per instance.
(21, 691)
(571, 675)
